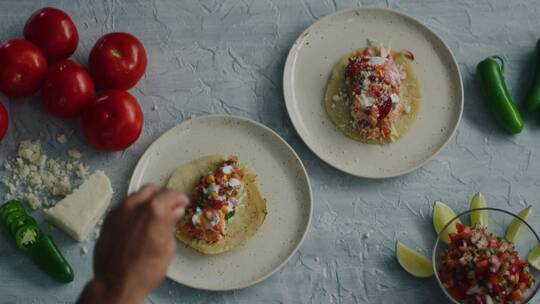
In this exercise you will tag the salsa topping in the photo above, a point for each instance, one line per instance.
(214, 201)
(373, 87)
(480, 268)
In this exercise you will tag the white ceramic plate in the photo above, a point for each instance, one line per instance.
(282, 179)
(308, 67)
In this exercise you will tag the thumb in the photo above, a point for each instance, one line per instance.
(178, 213)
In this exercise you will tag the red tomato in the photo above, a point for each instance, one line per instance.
(112, 121)
(4, 121)
(67, 89)
(22, 68)
(53, 31)
(117, 61)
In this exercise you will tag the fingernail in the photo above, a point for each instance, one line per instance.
(178, 212)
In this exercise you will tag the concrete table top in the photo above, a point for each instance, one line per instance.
(227, 57)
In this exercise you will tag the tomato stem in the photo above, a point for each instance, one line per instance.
(117, 54)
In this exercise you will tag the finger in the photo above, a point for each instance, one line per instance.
(167, 201)
(144, 194)
(178, 212)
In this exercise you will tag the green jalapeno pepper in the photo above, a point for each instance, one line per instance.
(26, 233)
(9, 207)
(532, 103)
(28, 238)
(496, 94)
(47, 256)
(21, 226)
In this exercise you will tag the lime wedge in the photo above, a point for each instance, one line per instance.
(413, 262)
(442, 214)
(534, 257)
(479, 217)
(512, 234)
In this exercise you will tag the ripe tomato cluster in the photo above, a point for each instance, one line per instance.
(111, 120)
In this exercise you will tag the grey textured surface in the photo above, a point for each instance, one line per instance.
(227, 57)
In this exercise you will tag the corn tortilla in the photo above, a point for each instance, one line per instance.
(339, 112)
(248, 217)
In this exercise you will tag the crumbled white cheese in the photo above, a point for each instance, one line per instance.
(336, 98)
(63, 187)
(33, 201)
(37, 178)
(365, 101)
(84, 250)
(61, 138)
(74, 153)
(154, 107)
(11, 187)
(395, 98)
(375, 60)
(227, 169)
(213, 187)
(30, 150)
(82, 170)
(408, 109)
(234, 182)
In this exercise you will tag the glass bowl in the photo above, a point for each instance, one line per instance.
(499, 220)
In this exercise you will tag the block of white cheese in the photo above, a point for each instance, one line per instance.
(78, 213)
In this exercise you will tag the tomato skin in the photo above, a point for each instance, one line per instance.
(4, 121)
(53, 31)
(117, 61)
(67, 89)
(22, 68)
(112, 121)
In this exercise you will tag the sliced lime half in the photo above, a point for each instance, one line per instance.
(413, 262)
(442, 215)
(512, 234)
(534, 257)
(480, 217)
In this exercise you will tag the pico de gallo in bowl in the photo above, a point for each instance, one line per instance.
(478, 266)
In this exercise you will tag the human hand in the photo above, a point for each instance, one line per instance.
(136, 246)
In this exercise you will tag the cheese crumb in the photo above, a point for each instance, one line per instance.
(33, 201)
(30, 150)
(82, 170)
(61, 138)
(63, 187)
(84, 250)
(74, 153)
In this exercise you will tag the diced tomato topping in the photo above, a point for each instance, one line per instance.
(482, 264)
(205, 217)
(385, 129)
(374, 81)
(458, 292)
(517, 295)
(375, 90)
(385, 108)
